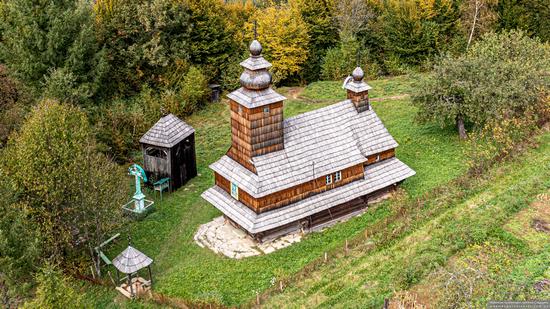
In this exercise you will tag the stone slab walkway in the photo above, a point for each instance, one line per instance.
(222, 237)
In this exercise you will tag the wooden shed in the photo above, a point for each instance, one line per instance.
(169, 151)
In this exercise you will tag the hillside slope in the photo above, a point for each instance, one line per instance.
(477, 236)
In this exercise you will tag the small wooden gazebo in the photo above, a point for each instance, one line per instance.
(130, 262)
(169, 151)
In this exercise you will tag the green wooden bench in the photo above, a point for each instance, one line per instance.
(162, 185)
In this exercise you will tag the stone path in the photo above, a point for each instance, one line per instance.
(222, 237)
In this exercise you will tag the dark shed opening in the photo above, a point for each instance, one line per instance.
(169, 151)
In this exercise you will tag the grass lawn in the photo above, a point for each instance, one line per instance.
(185, 271)
(477, 228)
(329, 90)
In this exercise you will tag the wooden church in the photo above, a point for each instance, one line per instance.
(281, 175)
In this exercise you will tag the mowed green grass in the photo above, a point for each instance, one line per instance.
(185, 271)
(329, 90)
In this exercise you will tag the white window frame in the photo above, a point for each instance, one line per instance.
(337, 176)
(266, 110)
(328, 180)
(235, 191)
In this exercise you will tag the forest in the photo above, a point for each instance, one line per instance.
(82, 81)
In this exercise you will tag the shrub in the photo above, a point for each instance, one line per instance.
(121, 124)
(19, 245)
(502, 136)
(55, 291)
(340, 61)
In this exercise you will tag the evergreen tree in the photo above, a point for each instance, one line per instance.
(47, 41)
(532, 16)
(416, 30)
(323, 33)
(142, 40)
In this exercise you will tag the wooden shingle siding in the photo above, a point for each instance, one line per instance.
(255, 132)
(305, 190)
(360, 100)
(291, 195)
(377, 177)
(244, 197)
(382, 156)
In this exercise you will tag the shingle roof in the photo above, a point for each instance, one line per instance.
(356, 86)
(255, 98)
(316, 143)
(255, 63)
(377, 176)
(131, 260)
(167, 132)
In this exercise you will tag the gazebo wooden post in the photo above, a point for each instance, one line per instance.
(130, 283)
(150, 275)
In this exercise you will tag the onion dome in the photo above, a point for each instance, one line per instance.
(355, 83)
(255, 81)
(255, 75)
(358, 74)
(255, 48)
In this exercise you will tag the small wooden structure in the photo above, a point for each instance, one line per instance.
(130, 262)
(215, 92)
(169, 151)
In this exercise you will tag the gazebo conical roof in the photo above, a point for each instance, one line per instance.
(167, 132)
(131, 260)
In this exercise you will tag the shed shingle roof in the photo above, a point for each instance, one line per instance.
(131, 260)
(316, 143)
(377, 176)
(167, 132)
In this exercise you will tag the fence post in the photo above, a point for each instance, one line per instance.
(347, 246)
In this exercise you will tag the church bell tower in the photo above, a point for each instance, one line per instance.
(256, 112)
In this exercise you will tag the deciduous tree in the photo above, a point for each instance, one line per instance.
(501, 73)
(283, 35)
(72, 195)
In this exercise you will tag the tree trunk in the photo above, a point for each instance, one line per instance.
(460, 127)
(476, 13)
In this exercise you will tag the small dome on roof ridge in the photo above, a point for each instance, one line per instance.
(255, 48)
(358, 74)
